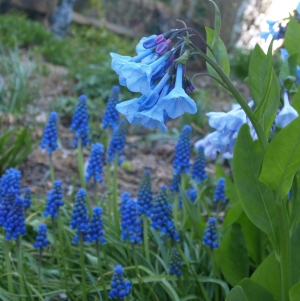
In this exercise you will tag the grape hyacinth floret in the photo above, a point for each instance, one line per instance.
(198, 170)
(183, 151)
(161, 216)
(220, 191)
(210, 238)
(96, 226)
(27, 198)
(175, 263)
(117, 143)
(80, 122)
(14, 223)
(49, 139)
(176, 182)
(144, 196)
(41, 240)
(10, 188)
(54, 200)
(119, 287)
(191, 194)
(111, 115)
(131, 222)
(95, 166)
(80, 219)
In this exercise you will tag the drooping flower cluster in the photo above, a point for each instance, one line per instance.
(96, 226)
(111, 115)
(80, 218)
(276, 30)
(117, 143)
(159, 77)
(210, 238)
(27, 198)
(119, 287)
(131, 222)
(10, 188)
(95, 166)
(175, 263)
(220, 191)
(191, 194)
(14, 223)
(54, 200)
(41, 240)
(162, 216)
(198, 170)
(144, 196)
(49, 139)
(80, 122)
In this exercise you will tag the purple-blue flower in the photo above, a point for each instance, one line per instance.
(27, 198)
(144, 196)
(49, 139)
(210, 237)
(198, 169)
(111, 115)
(220, 191)
(96, 226)
(54, 200)
(95, 165)
(119, 287)
(191, 195)
(175, 263)
(176, 182)
(41, 240)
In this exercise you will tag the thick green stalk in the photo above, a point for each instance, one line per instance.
(146, 237)
(101, 270)
(20, 269)
(51, 166)
(81, 250)
(8, 267)
(115, 195)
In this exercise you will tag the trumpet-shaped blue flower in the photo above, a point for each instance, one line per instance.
(41, 240)
(96, 226)
(119, 287)
(80, 122)
(198, 170)
(276, 29)
(175, 263)
(95, 166)
(220, 191)
(176, 182)
(144, 196)
(54, 200)
(49, 139)
(162, 216)
(287, 114)
(183, 151)
(14, 223)
(111, 115)
(210, 237)
(80, 218)
(27, 198)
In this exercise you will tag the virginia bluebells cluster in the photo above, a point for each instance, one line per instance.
(10, 188)
(80, 218)
(157, 74)
(95, 166)
(111, 115)
(191, 194)
(96, 226)
(144, 196)
(175, 263)
(14, 223)
(117, 143)
(49, 139)
(162, 216)
(198, 170)
(131, 222)
(54, 200)
(41, 240)
(210, 238)
(27, 198)
(220, 191)
(80, 122)
(119, 287)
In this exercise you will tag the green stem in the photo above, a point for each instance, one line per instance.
(56, 248)
(96, 194)
(101, 270)
(109, 201)
(215, 274)
(81, 250)
(8, 267)
(115, 196)
(20, 269)
(146, 238)
(175, 209)
(61, 249)
(51, 166)
(137, 272)
(39, 269)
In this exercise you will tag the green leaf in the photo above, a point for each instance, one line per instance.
(233, 214)
(268, 275)
(295, 245)
(217, 26)
(256, 198)
(294, 292)
(296, 102)
(255, 291)
(282, 159)
(220, 52)
(233, 248)
(236, 294)
(295, 202)
(292, 37)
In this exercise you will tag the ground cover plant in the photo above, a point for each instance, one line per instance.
(231, 236)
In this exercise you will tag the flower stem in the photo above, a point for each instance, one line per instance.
(51, 166)
(101, 270)
(20, 269)
(8, 267)
(137, 271)
(115, 196)
(39, 269)
(146, 237)
(109, 201)
(61, 244)
(56, 248)
(81, 250)
(96, 194)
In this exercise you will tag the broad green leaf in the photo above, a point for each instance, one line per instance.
(296, 102)
(268, 275)
(233, 214)
(236, 294)
(235, 263)
(256, 198)
(255, 291)
(282, 159)
(292, 37)
(295, 245)
(217, 26)
(294, 292)
(295, 202)
(220, 52)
